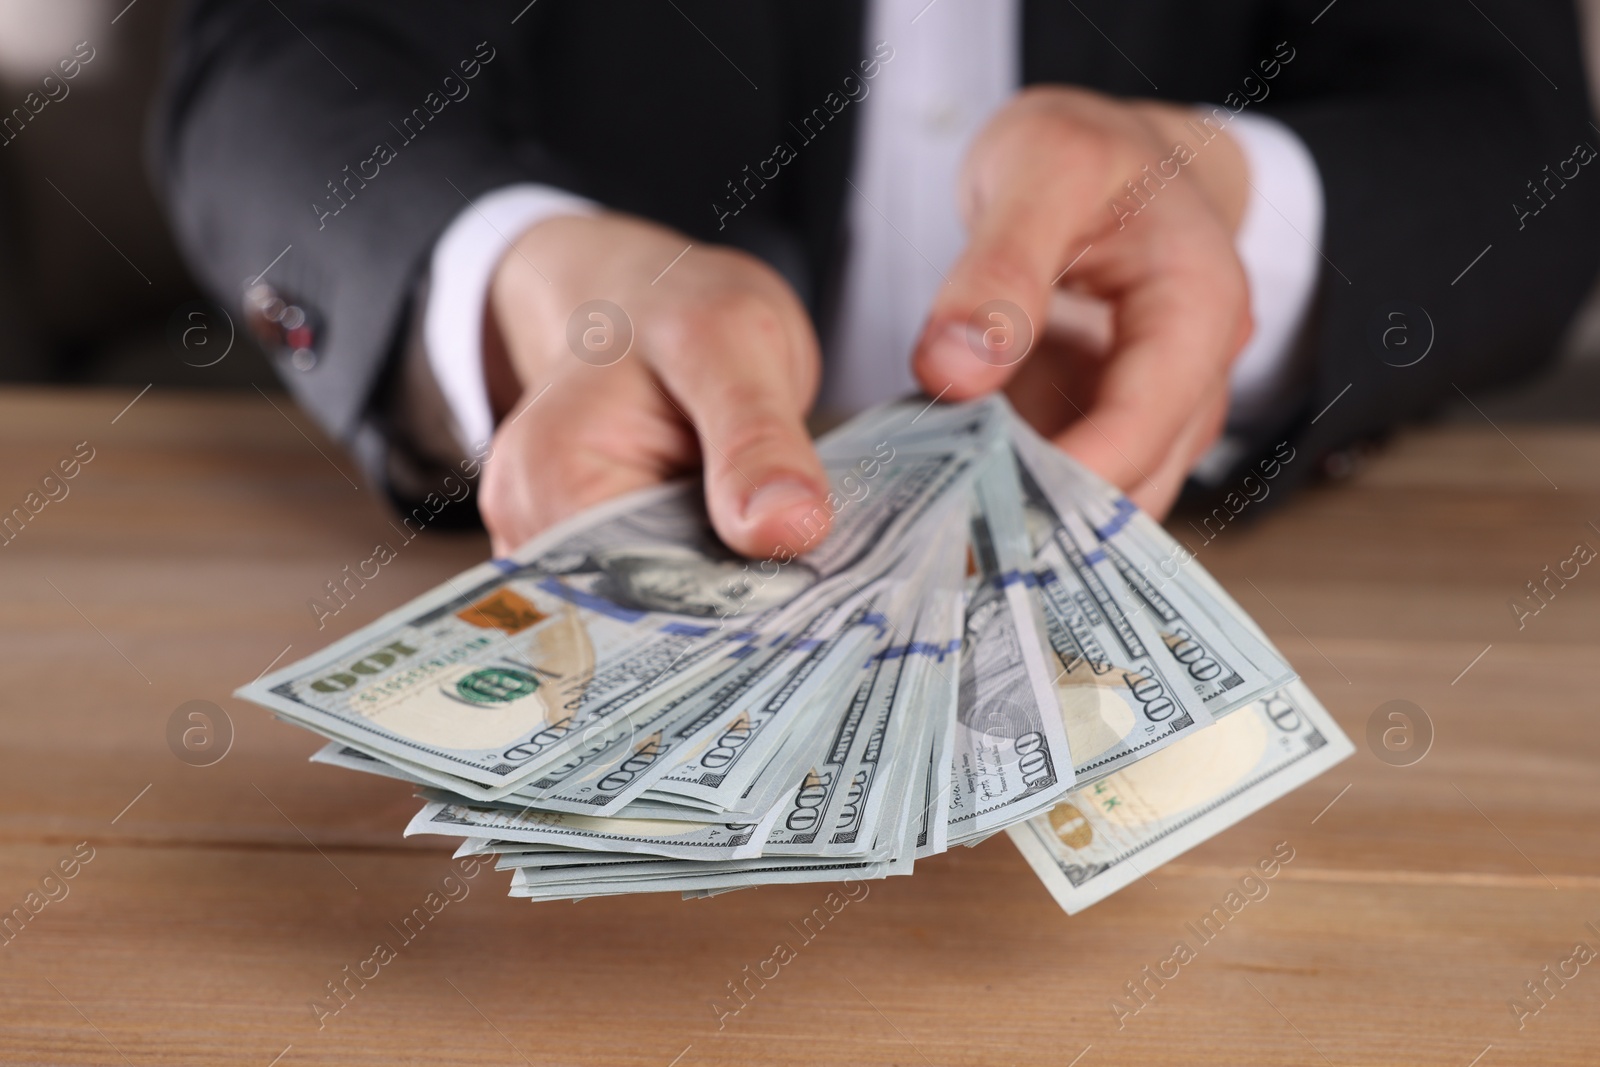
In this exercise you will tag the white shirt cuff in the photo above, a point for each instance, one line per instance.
(463, 264)
(1278, 243)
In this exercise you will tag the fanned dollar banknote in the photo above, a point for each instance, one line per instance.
(988, 638)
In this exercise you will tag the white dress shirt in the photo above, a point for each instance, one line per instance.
(954, 63)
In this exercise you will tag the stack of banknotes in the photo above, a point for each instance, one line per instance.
(988, 638)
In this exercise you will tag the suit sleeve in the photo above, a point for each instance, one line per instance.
(1459, 220)
(328, 144)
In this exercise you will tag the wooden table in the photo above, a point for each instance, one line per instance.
(221, 900)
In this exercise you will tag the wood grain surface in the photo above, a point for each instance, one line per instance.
(221, 900)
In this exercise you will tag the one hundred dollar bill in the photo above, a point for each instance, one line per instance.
(1112, 833)
(1220, 650)
(673, 840)
(1011, 752)
(841, 805)
(1119, 696)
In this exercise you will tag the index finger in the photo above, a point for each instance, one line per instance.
(728, 365)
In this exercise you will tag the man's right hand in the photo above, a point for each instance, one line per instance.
(722, 367)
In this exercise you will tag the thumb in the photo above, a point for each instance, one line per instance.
(985, 320)
(1032, 190)
(766, 490)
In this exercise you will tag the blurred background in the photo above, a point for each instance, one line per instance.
(89, 278)
(92, 290)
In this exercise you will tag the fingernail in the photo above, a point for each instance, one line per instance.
(778, 496)
(952, 350)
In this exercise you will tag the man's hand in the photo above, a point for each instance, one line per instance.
(722, 366)
(1140, 394)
